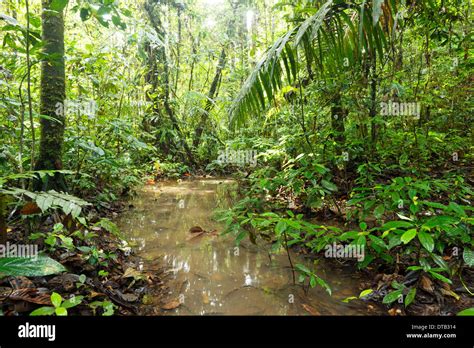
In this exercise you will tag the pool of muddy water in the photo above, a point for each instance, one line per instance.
(209, 275)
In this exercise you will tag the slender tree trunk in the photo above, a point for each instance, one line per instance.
(30, 106)
(213, 91)
(373, 102)
(53, 94)
(162, 57)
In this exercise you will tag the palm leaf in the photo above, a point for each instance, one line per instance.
(325, 39)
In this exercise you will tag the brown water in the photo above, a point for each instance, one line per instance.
(208, 274)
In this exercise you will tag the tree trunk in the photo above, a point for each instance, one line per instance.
(213, 91)
(53, 94)
(162, 57)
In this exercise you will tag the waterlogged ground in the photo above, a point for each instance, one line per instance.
(209, 275)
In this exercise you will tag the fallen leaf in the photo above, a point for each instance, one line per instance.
(196, 229)
(133, 273)
(450, 293)
(20, 282)
(426, 284)
(30, 208)
(38, 296)
(129, 297)
(96, 294)
(171, 305)
(309, 309)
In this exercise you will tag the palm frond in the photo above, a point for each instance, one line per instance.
(328, 37)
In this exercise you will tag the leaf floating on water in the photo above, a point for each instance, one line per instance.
(205, 298)
(196, 229)
(171, 305)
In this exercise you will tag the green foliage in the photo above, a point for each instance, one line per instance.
(108, 308)
(60, 306)
(313, 279)
(467, 312)
(29, 267)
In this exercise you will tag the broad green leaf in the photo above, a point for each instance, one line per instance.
(72, 302)
(440, 262)
(29, 267)
(468, 256)
(392, 296)
(440, 277)
(56, 299)
(348, 299)
(426, 240)
(61, 311)
(329, 185)
(43, 311)
(280, 227)
(397, 224)
(410, 297)
(58, 5)
(302, 268)
(378, 211)
(325, 285)
(457, 209)
(365, 293)
(240, 237)
(378, 241)
(408, 236)
(467, 312)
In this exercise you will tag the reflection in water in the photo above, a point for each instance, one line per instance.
(209, 273)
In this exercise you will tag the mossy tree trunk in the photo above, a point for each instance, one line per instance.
(53, 94)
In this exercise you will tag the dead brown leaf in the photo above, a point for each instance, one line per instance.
(30, 208)
(427, 284)
(309, 309)
(171, 305)
(38, 296)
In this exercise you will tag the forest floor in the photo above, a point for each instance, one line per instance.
(128, 285)
(118, 288)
